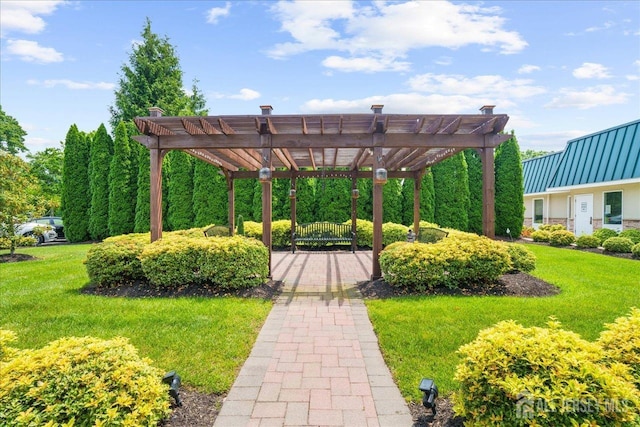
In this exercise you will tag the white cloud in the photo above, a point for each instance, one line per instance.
(444, 60)
(245, 94)
(486, 86)
(602, 27)
(368, 65)
(388, 30)
(548, 141)
(23, 16)
(70, 84)
(591, 97)
(590, 70)
(636, 76)
(31, 51)
(528, 69)
(215, 13)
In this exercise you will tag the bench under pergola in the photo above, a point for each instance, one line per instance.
(351, 146)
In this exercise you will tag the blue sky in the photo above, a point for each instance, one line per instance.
(559, 69)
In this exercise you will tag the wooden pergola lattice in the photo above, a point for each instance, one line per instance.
(323, 145)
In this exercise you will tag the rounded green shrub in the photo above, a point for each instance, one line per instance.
(618, 244)
(516, 376)
(459, 260)
(587, 241)
(551, 227)
(631, 233)
(522, 259)
(635, 250)
(253, 229)
(561, 238)
(364, 233)
(84, 382)
(392, 232)
(227, 262)
(116, 259)
(604, 233)
(541, 236)
(621, 342)
(281, 233)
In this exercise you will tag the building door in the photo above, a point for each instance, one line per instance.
(583, 214)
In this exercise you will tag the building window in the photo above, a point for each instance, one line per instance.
(613, 208)
(538, 209)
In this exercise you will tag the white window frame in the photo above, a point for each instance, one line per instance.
(533, 216)
(616, 227)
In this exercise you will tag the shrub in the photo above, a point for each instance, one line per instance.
(635, 250)
(456, 261)
(281, 233)
(392, 232)
(364, 232)
(631, 233)
(551, 227)
(617, 244)
(194, 232)
(587, 241)
(5, 242)
(82, 381)
(522, 259)
(604, 233)
(516, 376)
(227, 262)
(621, 342)
(561, 238)
(541, 236)
(253, 229)
(6, 352)
(240, 226)
(526, 231)
(115, 260)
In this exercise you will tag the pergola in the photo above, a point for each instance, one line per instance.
(269, 146)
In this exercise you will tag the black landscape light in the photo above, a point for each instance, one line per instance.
(173, 380)
(430, 392)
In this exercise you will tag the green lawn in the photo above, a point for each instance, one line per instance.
(205, 340)
(419, 336)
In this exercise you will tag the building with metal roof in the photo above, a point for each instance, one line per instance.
(593, 183)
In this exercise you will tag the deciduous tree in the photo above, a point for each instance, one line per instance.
(11, 134)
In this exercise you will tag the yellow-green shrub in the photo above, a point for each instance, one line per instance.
(621, 342)
(541, 236)
(6, 337)
(116, 259)
(522, 259)
(551, 227)
(227, 262)
(635, 250)
(84, 382)
(604, 233)
(192, 232)
(253, 229)
(281, 233)
(516, 376)
(632, 234)
(587, 241)
(392, 232)
(5, 242)
(364, 232)
(618, 244)
(455, 261)
(561, 238)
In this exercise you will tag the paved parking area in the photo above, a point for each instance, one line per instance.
(316, 361)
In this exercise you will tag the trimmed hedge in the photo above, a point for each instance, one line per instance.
(541, 236)
(228, 262)
(517, 376)
(392, 233)
(621, 342)
(561, 238)
(618, 244)
(604, 233)
(587, 241)
(81, 381)
(116, 259)
(455, 261)
(632, 234)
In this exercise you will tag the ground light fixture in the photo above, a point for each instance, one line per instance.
(173, 380)
(430, 393)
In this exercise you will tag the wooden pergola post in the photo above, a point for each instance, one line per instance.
(266, 195)
(354, 207)
(488, 192)
(293, 196)
(155, 177)
(376, 271)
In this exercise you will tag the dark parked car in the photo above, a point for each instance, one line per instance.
(53, 221)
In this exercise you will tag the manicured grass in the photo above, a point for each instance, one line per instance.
(205, 340)
(419, 336)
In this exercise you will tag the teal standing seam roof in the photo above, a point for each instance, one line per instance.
(538, 172)
(610, 155)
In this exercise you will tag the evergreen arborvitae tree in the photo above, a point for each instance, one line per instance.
(256, 205)
(451, 184)
(427, 197)
(210, 195)
(281, 204)
(364, 205)
(100, 154)
(306, 206)
(76, 191)
(474, 168)
(407, 202)
(392, 201)
(243, 198)
(142, 222)
(121, 193)
(334, 199)
(509, 207)
(180, 216)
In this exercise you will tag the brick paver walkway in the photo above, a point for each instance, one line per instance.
(316, 361)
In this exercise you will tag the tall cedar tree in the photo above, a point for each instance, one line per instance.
(180, 215)
(334, 199)
(76, 191)
(509, 188)
(306, 206)
(243, 198)
(392, 201)
(474, 168)
(210, 195)
(364, 205)
(142, 222)
(427, 197)
(100, 158)
(256, 205)
(281, 204)
(122, 195)
(451, 184)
